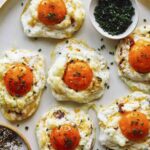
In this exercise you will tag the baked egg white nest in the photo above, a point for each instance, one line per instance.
(19, 108)
(65, 29)
(58, 116)
(111, 136)
(135, 80)
(71, 50)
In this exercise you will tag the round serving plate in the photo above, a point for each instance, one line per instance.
(12, 36)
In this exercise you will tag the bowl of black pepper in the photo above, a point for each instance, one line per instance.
(114, 19)
(12, 139)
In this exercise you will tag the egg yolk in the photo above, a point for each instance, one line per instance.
(18, 80)
(139, 56)
(51, 12)
(65, 137)
(78, 75)
(134, 126)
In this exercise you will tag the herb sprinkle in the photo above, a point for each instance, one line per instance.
(114, 16)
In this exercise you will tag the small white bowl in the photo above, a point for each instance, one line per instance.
(92, 6)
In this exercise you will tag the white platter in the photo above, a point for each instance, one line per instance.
(12, 36)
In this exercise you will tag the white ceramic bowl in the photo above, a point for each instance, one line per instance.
(92, 6)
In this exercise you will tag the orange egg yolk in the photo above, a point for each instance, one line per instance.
(134, 126)
(18, 80)
(51, 12)
(65, 137)
(139, 56)
(78, 75)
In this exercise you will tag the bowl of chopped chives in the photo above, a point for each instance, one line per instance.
(114, 19)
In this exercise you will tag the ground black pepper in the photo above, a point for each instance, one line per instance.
(39, 50)
(9, 139)
(26, 128)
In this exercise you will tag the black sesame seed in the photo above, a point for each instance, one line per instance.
(39, 50)
(111, 53)
(18, 125)
(102, 39)
(26, 128)
(144, 20)
(99, 49)
(22, 4)
(111, 63)
(103, 47)
(105, 84)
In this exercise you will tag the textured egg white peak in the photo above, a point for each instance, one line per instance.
(73, 49)
(80, 119)
(28, 103)
(133, 79)
(64, 29)
(109, 116)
